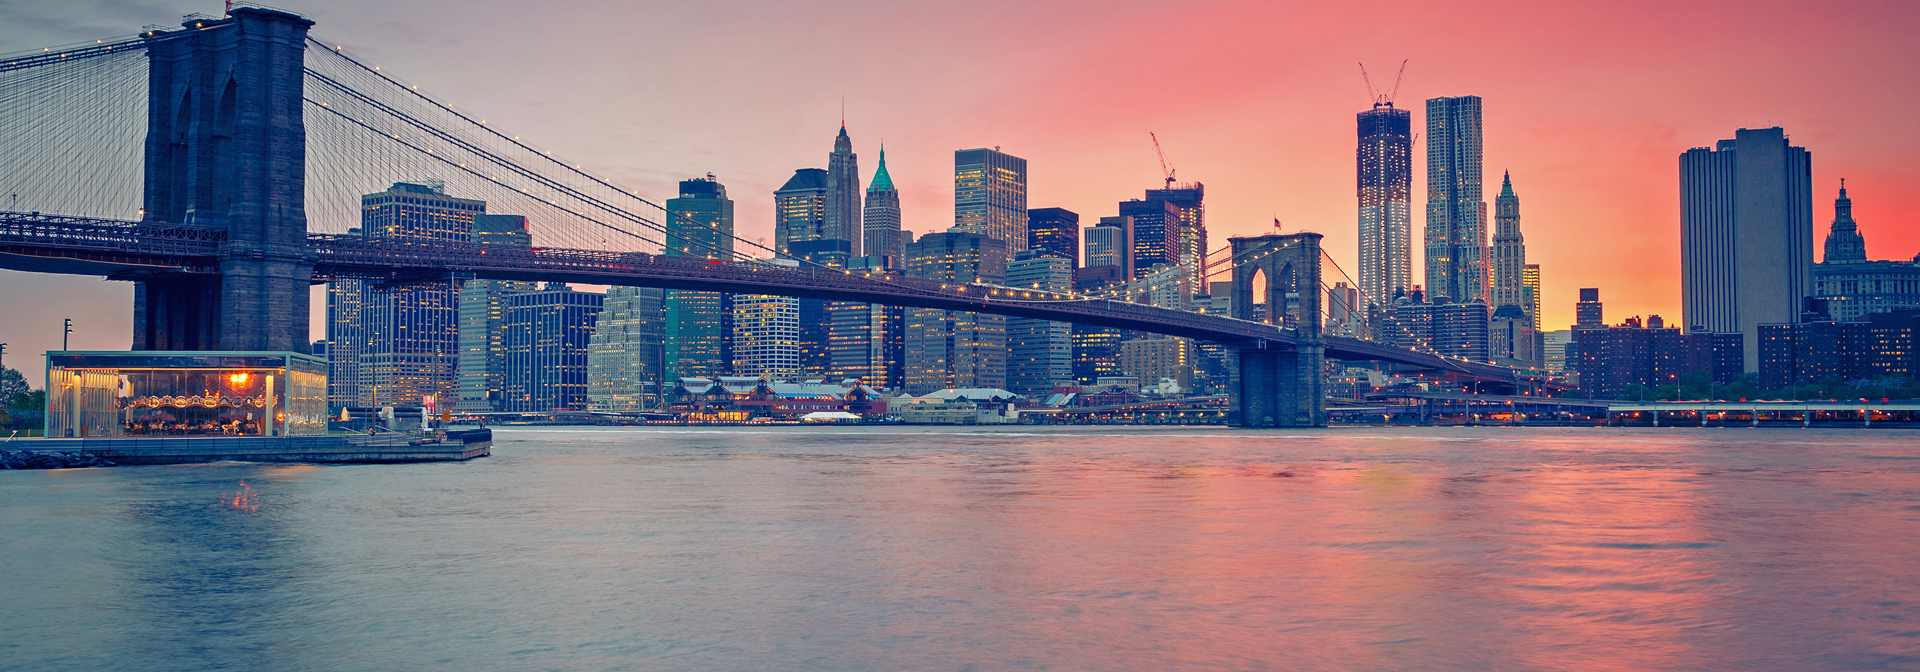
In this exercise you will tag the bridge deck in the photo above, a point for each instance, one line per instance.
(87, 246)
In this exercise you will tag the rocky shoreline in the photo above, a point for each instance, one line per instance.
(29, 459)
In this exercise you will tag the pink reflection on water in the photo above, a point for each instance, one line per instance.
(1373, 564)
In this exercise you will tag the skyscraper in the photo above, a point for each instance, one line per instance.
(699, 224)
(346, 337)
(955, 349)
(1189, 199)
(867, 341)
(843, 194)
(882, 213)
(626, 357)
(1746, 235)
(800, 211)
(1096, 349)
(1159, 357)
(1530, 282)
(1040, 352)
(1384, 166)
(1587, 313)
(1509, 249)
(766, 334)
(1460, 330)
(483, 318)
(548, 332)
(805, 212)
(1054, 232)
(990, 196)
(1110, 243)
(1157, 238)
(1512, 336)
(1456, 236)
(409, 336)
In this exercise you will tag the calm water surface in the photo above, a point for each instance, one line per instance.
(951, 549)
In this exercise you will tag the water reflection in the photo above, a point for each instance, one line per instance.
(950, 550)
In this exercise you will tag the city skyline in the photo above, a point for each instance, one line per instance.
(1595, 137)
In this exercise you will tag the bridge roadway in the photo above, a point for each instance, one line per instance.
(129, 250)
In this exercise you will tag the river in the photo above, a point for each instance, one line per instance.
(1052, 548)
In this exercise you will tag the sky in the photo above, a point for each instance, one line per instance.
(1588, 106)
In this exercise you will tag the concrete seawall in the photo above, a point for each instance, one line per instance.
(350, 449)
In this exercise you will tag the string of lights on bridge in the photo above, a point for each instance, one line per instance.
(387, 121)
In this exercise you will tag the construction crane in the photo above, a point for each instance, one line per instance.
(1375, 96)
(1165, 170)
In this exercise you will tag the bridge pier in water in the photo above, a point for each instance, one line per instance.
(226, 147)
(1274, 384)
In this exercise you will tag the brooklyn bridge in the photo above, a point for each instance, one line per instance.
(213, 165)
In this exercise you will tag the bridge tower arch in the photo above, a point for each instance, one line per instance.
(1273, 384)
(226, 147)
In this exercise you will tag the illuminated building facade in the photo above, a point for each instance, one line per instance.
(1096, 349)
(1530, 284)
(1040, 352)
(1460, 330)
(843, 195)
(1110, 243)
(1151, 359)
(1746, 235)
(1589, 313)
(766, 336)
(1163, 285)
(408, 337)
(1054, 232)
(699, 224)
(1384, 168)
(990, 196)
(1456, 236)
(882, 218)
(1511, 338)
(800, 211)
(483, 318)
(346, 338)
(1509, 249)
(868, 342)
(1189, 201)
(1157, 237)
(548, 335)
(956, 349)
(1613, 360)
(626, 358)
(1854, 287)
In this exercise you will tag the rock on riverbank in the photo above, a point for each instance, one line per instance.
(28, 459)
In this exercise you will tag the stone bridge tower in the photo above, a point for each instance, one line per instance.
(1273, 384)
(226, 147)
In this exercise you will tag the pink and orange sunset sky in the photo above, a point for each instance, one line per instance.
(1588, 105)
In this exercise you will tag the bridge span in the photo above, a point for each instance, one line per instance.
(224, 184)
(37, 242)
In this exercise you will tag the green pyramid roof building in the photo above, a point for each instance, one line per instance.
(881, 180)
